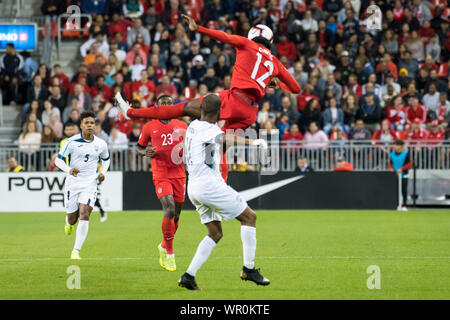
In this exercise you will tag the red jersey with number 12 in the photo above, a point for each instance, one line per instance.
(166, 139)
(255, 65)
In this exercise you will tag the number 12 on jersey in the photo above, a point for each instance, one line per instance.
(268, 64)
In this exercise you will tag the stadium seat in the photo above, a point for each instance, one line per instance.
(71, 30)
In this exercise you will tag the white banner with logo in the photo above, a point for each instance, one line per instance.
(44, 192)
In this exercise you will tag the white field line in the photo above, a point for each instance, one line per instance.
(238, 257)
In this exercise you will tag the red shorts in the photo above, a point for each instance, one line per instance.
(238, 111)
(171, 186)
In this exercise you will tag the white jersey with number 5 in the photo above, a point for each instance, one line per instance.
(202, 149)
(84, 156)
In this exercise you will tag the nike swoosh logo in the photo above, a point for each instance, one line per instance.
(256, 192)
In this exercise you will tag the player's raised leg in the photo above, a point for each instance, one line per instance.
(204, 249)
(162, 112)
(248, 237)
(82, 229)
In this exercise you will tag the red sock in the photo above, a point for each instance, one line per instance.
(224, 167)
(158, 112)
(168, 230)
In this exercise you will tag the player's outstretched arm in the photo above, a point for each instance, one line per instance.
(235, 41)
(288, 82)
(231, 139)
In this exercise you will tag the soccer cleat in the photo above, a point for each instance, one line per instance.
(187, 281)
(104, 217)
(68, 229)
(75, 255)
(169, 263)
(122, 105)
(404, 208)
(255, 276)
(162, 255)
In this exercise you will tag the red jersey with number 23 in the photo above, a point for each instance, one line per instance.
(166, 139)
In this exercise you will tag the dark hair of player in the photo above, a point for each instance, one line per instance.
(87, 114)
(11, 45)
(211, 104)
(399, 143)
(263, 41)
(166, 96)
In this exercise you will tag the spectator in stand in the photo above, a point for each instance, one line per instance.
(48, 110)
(56, 125)
(264, 113)
(444, 109)
(53, 8)
(117, 140)
(113, 7)
(433, 48)
(11, 64)
(84, 99)
(306, 95)
(292, 138)
(303, 166)
(138, 29)
(57, 98)
(410, 64)
(416, 111)
(29, 145)
(431, 99)
(435, 134)
(167, 88)
(99, 132)
(102, 46)
(370, 112)
(310, 114)
(385, 135)
(33, 117)
(144, 89)
(315, 139)
(397, 114)
(136, 51)
(351, 111)
(343, 165)
(93, 6)
(96, 69)
(48, 136)
(37, 91)
(74, 117)
(82, 72)
(13, 166)
(287, 107)
(102, 89)
(61, 76)
(359, 132)
(210, 80)
(333, 117)
(91, 57)
(400, 162)
(417, 133)
(133, 9)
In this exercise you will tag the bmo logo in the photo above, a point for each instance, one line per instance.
(9, 36)
(23, 37)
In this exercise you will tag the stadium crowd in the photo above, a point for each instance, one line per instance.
(357, 83)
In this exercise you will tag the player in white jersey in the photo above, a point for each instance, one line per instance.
(80, 191)
(212, 197)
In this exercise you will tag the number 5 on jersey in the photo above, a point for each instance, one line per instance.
(268, 64)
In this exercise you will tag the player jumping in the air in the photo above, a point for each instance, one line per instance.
(80, 191)
(169, 175)
(254, 70)
(212, 197)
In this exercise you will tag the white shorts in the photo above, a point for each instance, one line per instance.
(74, 195)
(215, 200)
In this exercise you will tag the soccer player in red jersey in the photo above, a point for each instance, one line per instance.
(169, 175)
(255, 69)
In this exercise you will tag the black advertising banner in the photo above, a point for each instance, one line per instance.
(285, 190)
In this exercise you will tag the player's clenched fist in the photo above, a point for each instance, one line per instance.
(74, 172)
(192, 24)
(101, 177)
(274, 83)
(150, 152)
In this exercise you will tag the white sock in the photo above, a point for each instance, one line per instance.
(248, 237)
(67, 220)
(201, 255)
(82, 231)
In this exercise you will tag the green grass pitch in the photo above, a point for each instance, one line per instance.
(306, 254)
